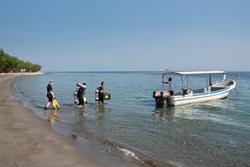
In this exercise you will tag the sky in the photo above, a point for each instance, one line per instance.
(128, 35)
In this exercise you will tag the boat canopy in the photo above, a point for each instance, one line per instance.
(193, 72)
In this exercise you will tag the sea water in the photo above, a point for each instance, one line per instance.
(215, 133)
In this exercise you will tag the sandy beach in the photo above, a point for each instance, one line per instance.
(27, 141)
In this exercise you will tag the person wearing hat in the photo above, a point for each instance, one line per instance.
(80, 94)
(50, 94)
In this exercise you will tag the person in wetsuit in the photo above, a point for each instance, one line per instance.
(80, 94)
(101, 93)
(50, 94)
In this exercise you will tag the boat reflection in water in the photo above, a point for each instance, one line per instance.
(171, 113)
(165, 114)
(203, 111)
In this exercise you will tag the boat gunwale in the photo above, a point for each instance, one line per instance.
(182, 73)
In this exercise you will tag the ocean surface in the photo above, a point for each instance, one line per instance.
(215, 133)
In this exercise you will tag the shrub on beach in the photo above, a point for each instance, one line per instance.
(13, 64)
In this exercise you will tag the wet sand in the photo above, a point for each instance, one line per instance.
(27, 141)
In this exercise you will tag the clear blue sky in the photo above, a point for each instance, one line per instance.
(93, 35)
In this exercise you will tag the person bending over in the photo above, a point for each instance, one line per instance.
(80, 94)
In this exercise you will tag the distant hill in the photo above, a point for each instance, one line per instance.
(13, 64)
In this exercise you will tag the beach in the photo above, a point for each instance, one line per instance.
(27, 141)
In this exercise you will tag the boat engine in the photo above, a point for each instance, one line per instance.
(158, 96)
(161, 98)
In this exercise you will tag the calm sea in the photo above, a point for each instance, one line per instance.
(208, 134)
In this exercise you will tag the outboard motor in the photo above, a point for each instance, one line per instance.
(161, 98)
(158, 96)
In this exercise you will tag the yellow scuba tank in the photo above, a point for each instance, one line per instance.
(96, 95)
(56, 104)
(107, 96)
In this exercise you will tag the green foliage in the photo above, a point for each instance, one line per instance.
(13, 64)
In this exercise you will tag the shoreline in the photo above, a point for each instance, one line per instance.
(14, 74)
(27, 140)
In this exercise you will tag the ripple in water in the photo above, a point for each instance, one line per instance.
(216, 133)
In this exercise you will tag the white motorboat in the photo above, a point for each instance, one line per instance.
(213, 91)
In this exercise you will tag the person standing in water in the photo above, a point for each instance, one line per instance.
(80, 94)
(50, 95)
(101, 93)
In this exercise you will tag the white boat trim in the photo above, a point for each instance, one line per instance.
(194, 72)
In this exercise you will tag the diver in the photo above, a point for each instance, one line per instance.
(101, 92)
(50, 95)
(80, 94)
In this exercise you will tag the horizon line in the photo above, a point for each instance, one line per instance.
(106, 71)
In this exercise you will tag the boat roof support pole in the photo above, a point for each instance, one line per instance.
(162, 81)
(224, 76)
(182, 80)
(210, 80)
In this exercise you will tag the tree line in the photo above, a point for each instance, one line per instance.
(13, 64)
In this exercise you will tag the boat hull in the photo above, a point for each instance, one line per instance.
(196, 99)
(201, 97)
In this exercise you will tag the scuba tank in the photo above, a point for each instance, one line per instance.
(75, 96)
(96, 94)
(107, 96)
(55, 104)
(81, 85)
(84, 100)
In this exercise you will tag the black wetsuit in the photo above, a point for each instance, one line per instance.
(49, 95)
(80, 94)
(100, 94)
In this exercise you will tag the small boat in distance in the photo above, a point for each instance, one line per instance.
(213, 91)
